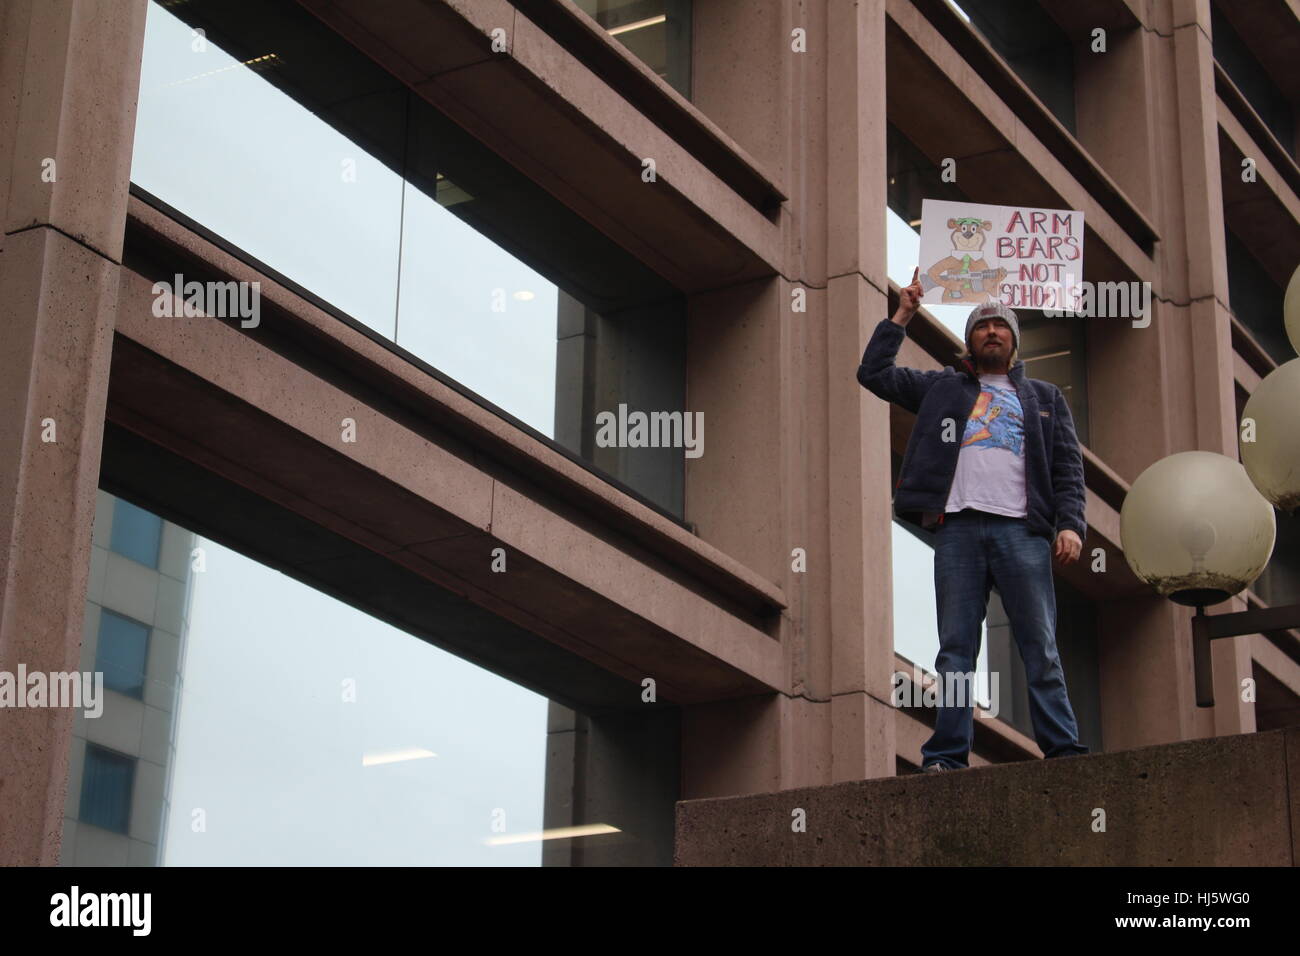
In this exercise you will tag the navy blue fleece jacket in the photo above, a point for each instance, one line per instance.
(1053, 463)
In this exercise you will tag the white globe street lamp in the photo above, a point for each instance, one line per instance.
(1199, 527)
(1291, 310)
(1195, 528)
(1271, 419)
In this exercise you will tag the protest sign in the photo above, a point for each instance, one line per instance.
(1017, 255)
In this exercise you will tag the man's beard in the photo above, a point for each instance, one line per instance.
(987, 362)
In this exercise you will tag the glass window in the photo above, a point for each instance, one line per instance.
(315, 734)
(1256, 300)
(913, 178)
(319, 735)
(106, 783)
(1053, 350)
(121, 652)
(1250, 77)
(1034, 46)
(137, 534)
(657, 32)
(220, 137)
(373, 201)
(1280, 582)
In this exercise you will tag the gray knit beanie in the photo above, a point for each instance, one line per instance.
(994, 310)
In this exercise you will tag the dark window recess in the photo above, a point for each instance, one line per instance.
(1256, 300)
(137, 534)
(1034, 45)
(913, 177)
(1280, 582)
(121, 653)
(1275, 705)
(1054, 350)
(656, 32)
(107, 779)
(1249, 76)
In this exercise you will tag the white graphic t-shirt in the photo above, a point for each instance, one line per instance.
(991, 464)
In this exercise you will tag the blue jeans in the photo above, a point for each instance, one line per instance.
(975, 550)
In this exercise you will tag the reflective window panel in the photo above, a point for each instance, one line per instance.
(106, 789)
(269, 130)
(136, 534)
(121, 653)
(280, 726)
(657, 32)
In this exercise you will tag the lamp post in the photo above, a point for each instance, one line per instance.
(1199, 527)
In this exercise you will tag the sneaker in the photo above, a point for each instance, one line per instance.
(933, 768)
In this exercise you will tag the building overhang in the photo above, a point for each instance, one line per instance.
(709, 217)
(600, 591)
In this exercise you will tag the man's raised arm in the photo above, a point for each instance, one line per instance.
(878, 374)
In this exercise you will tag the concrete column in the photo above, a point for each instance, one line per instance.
(744, 373)
(1208, 388)
(622, 770)
(1149, 116)
(66, 131)
(799, 456)
(858, 512)
(1114, 102)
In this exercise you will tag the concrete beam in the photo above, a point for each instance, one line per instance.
(535, 104)
(257, 408)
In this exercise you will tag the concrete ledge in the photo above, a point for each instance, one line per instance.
(1222, 801)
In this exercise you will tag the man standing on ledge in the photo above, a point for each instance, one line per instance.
(1006, 495)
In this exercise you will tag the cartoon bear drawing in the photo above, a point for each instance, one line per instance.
(965, 274)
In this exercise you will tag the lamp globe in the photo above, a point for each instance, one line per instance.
(1195, 528)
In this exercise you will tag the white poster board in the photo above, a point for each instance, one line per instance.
(1023, 257)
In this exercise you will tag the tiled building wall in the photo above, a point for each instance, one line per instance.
(140, 729)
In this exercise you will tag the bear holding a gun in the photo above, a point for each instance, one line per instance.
(965, 274)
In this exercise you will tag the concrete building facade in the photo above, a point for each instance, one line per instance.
(711, 189)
